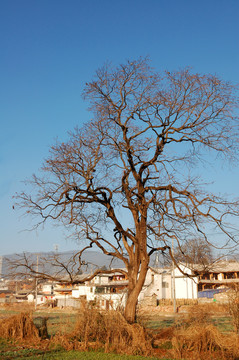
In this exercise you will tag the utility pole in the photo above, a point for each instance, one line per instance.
(36, 282)
(174, 288)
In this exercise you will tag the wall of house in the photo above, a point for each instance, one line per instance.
(84, 290)
(111, 301)
(101, 280)
(220, 276)
(185, 287)
(156, 283)
(160, 284)
(42, 299)
(152, 285)
(30, 298)
(69, 302)
(106, 301)
(47, 288)
(166, 286)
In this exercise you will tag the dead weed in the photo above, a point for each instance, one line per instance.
(108, 331)
(204, 342)
(19, 326)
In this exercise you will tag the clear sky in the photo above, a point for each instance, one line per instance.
(50, 48)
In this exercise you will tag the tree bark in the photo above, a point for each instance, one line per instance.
(133, 293)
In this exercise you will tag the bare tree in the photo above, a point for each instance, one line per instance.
(124, 180)
(193, 252)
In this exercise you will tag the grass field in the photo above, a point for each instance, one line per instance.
(57, 321)
(223, 323)
(64, 321)
(10, 351)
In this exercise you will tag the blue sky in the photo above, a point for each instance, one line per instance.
(50, 48)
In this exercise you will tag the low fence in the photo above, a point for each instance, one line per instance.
(7, 300)
(74, 303)
(179, 302)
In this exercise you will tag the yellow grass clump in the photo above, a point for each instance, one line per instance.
(19, 326)
(204, 342)
(108, 331)
(196, 338)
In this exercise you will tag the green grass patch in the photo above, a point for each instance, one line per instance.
(10, 350)
(4, 313)
(223, 323)
(159, 322)
(56, 322)
(75, 355)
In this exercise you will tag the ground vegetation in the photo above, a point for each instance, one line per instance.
(192, 335)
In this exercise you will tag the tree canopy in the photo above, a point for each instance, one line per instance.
(124, 181)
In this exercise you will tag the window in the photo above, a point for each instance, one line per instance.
(99, 290)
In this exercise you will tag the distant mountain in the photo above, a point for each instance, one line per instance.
(49, 262)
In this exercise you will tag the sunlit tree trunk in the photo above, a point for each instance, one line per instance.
(133, 293)
(137, 270)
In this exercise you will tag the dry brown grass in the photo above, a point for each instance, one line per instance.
(204, 342)
(192, 337)
(108, 331)
(21, 306)
(233, 306)
(19, 326)
(209, 308)
(179, 302)
(195, 338)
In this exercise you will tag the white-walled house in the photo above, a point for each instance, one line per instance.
(105, 299)
(107, 290)
(159, 283)
(186, 287)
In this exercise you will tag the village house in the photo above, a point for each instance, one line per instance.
(222, 274)
(107, 290)
(160, 284)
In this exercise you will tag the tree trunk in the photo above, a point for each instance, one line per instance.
(130, 308)
(133, 293)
